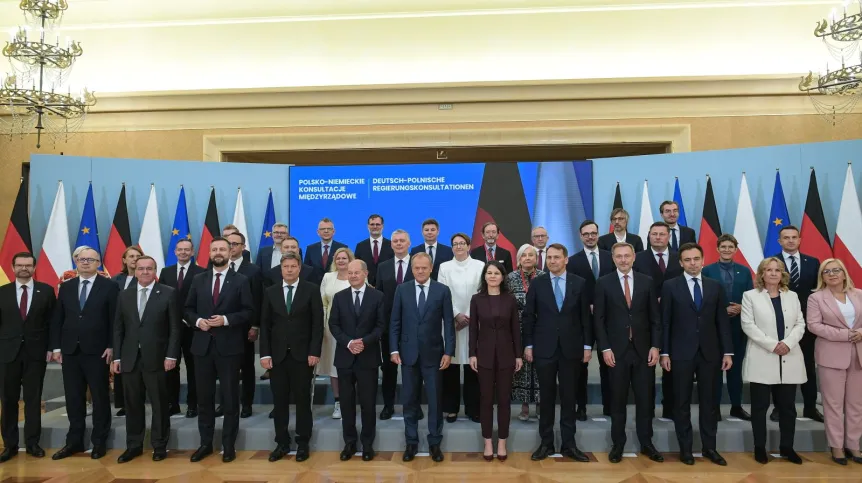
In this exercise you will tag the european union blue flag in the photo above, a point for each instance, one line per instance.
(677, 198)
(778, 218)
(88, 233)
(268, 221)
(179, 230)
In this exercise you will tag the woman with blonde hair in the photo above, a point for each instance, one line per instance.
(334, 281)
(773, 366)
(835, 317)
(525, 386)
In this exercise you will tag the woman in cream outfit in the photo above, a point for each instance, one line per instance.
(773, 365)
(462, 275)
(333, 282)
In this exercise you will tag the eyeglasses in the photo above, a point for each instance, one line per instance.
(591, 233)
(280, 233)
(325, 229)
(459, 244)
(88, 260)
(540, 236)
(235, 244)
(618, 218)
(833, 271)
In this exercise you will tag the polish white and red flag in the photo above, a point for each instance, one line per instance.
(750, 251)
(848, 235)
(55, 258)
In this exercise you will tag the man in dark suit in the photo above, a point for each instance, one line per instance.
(273, 275)
(179, 277)
(147, 343)
(696, 342)
(489, 250)
(620, 234)
(439, 252)
(291, 335)
(590, 264)
(356, 322)
(220, 307)
(269, 257)
(557, 334)
(255, 280)
(374, 249)
(539, 239)
(660, 263)
(735, 279)
(422, 340)
(391, 274)
(319, 254)
(227, 230)
(679, 235)
(628, 330)
(82, 337)
(26, 307)
(803, 280)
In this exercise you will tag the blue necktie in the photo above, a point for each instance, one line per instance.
(421, 304)
(794, 271)
(558, 293)
(595, 265)
(674, 244)
(698, 295)
(82, 298)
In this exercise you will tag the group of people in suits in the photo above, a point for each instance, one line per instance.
(519, 328)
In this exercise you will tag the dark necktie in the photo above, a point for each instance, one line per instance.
(288, 300)
(376, 252)
(325, 258)
(399, 278)
(357, 305)
(661, 265)
(595, 265)
(794, 271)
(232, 267)
(674, 243)
(431, 252)
(539, 265)
(421, 304)
(82, 297)
(216, 289)
(180, 278)
(698, 295)
(23, 306)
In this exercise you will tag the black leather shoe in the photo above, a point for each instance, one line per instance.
(368, 455)
(130, 454)
(652, 453)
(386, 413)
(575, 454)
(99, 451)
(174, 409)
(159, 454)
(219, 412)
(855, 459)
(410, 452)
(264, 376)
(840, 461)
(272, 414)
(581, 414)
(348, 452)
(712, 455)
(8, 454)
(606, 412)
(686, 459)
(475, 419)
(202, 453)
(67, 451)
(228, 455)
(451, 418)
(35, 451)
(121, 412)
(790, 455)
(616, 454)
(191, 413)
(739, 413)
(436, 454)
(542, 452)
(301, 453)
(773, 416)
(246, 412)
(760, 455)
(812, 414)
(278, 453)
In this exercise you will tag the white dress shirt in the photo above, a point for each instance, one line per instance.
(404, 267)
(19, 292)
(186, 271)
(284, 286)
(620, 240)
(434, 245)
(275, 258)
(786, 256)
(379, 241)
(323, 244)
(665, 254)
(220, 289)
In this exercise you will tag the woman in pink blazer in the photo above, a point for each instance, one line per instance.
(835, 317)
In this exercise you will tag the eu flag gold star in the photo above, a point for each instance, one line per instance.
(778, 222)
(188, 236)
(175, 232)
(85, 230)
(266, 234)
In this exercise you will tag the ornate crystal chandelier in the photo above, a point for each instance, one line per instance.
(32, 94)
(837, 91)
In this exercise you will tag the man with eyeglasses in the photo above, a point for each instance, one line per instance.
(539, 239)
(620, 234)
(227, 230)
(82, 338)
(320, 254)
(270, 256)
(26, 307)
(374, 249)
(590, 264)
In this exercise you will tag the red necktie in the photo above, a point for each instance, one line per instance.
(23, 306)
(661, 265)
(540, 259)
(399, 278)
(216, 289)
(325, 258)
(376, 252)
(490, 255)
(180, 278)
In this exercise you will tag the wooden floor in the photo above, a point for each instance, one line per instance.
(252, 466)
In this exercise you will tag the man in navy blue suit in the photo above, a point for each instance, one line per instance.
(422, 340)
(439, 253)
(319, 255)
(375, 249)
(270, 257)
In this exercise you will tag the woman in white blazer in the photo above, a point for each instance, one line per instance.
(773, 364)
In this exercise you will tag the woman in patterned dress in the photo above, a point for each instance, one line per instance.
(525, 387)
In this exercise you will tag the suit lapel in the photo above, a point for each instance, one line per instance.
(857, 306)
(154, 295)
(95, 286)
(226, 285)
(833, 306)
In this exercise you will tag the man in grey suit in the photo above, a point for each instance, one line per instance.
(147, 344)
(422, 341)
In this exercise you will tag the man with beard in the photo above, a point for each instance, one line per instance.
(220, 306)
